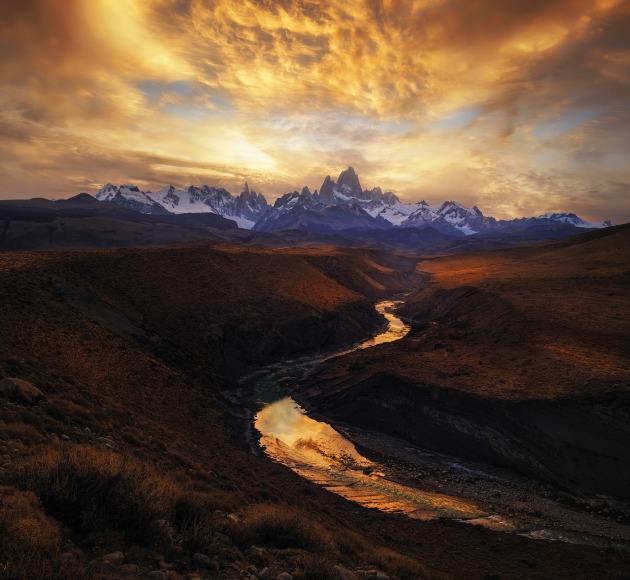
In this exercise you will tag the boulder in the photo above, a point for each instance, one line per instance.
(201, 559)
(20, 391)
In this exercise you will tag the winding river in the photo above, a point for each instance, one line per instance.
(323, 455)
(441, 486)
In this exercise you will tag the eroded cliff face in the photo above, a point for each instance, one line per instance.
(577, 443)
(516, 357)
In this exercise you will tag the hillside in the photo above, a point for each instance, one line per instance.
(516, 357)
(128, 446)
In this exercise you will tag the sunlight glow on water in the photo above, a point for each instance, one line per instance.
(395, 330)
(319, 453)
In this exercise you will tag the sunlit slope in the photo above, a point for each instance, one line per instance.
(210, 308)
(516, 357)
(519, 323)
(129, 348)
(529, 322)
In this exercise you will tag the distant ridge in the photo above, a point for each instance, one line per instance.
(337, 206)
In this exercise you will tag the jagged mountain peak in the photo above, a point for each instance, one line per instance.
(327, 190)
(572, 219)
(130, 197)
(306, 209)
(348, 179)
(245, 208)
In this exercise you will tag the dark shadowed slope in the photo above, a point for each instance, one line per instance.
(130, 448)
(518, 357)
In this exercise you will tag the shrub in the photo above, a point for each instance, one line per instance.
(70, 413)
(282, 526)
(192, 514)
(29, 540)
(91, 489)
(312, 567)
(402, 566)
(349, 543)
(21, 432)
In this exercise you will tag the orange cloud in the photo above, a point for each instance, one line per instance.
(521, 107)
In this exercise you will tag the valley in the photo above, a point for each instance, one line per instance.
(137, 354)
(321, 454)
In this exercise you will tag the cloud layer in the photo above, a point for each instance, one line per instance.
(519, 107)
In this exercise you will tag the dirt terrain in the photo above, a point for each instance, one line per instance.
(518, 357)
(128, 447)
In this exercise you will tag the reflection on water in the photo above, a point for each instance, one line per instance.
(319, 453)
(395, 330)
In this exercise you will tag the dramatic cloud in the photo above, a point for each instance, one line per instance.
(519, 107)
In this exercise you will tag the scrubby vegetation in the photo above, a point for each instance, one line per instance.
(132, 463)
(30, 540)
(93, 496)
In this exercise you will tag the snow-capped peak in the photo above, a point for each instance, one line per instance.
(572, 219)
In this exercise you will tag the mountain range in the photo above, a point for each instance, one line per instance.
(337, 206)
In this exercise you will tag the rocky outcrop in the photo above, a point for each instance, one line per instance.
(578, 443)
(20, 391)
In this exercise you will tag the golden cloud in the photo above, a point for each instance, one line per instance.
(470, 99)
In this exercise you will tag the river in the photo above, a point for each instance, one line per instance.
(440, 487)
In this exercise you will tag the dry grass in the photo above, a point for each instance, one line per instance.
(92, 489)
(153, 398)
(402, 566)
(282, 526)
(30, 540)
(312, 567)
(20, 432)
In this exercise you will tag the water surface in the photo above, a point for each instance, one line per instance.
(319, 453)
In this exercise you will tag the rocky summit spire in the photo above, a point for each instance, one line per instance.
(350, 179)
(246, 189)
(326, 193)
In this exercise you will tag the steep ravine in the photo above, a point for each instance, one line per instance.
(576, 443)
(517, 358)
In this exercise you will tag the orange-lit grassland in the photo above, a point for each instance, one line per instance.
(518, 323)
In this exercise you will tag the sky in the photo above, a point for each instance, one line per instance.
(519, 107)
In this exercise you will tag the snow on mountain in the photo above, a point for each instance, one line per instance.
(573, 220)
(338, 205)
(343, 203)
(310, 212)
(451, 218)
(245, 209)
(348, 190)
(130, 197)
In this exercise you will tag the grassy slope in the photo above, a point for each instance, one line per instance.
(522, 323)
(130, 347)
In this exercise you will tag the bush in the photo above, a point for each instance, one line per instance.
(282, 526)
(192, 514)
(70, 413)
(313, 567)
(349, 543)
(92, 489)
(404, 567)
(29, 540)
(21, 432)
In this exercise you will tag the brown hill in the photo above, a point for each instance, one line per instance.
(532, 343)
(129, 448)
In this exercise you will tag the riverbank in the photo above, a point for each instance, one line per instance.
(128, 350)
